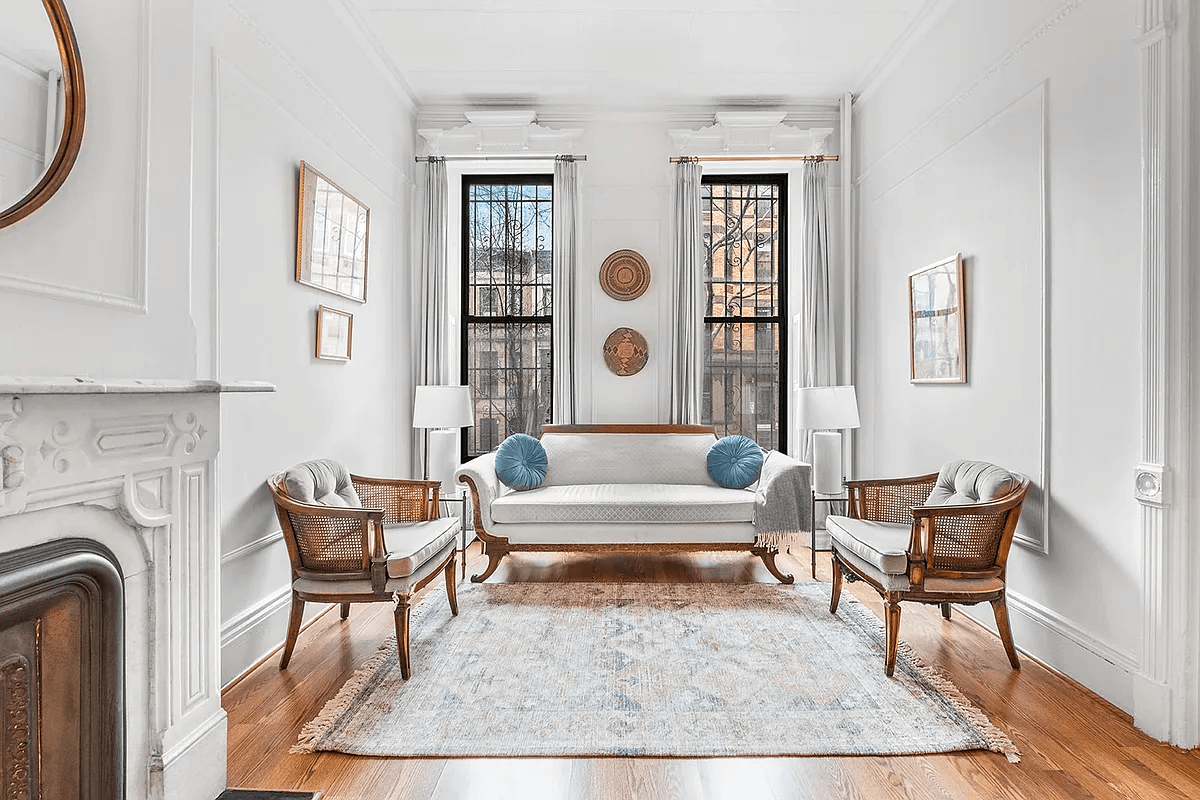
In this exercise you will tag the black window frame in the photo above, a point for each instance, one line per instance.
(536, 178)
(780, 181)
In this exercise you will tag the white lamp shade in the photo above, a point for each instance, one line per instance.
(443, 407)
(826, 408)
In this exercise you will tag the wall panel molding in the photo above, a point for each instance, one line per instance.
(137, 300)
(261, 543)
(1060, 14)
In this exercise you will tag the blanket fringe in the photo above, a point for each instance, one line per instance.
(776, 540)
(997, 740)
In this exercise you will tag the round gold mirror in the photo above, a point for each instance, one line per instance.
(41, 81)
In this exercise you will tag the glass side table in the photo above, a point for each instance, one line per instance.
(821, 498)
(459, 498)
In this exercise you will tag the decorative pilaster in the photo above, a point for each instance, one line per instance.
(1162, 690)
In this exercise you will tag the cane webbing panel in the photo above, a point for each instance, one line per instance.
(967, 542)
(399, 503)
(893, 502)
(328, 544)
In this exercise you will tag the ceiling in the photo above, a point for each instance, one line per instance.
(635, 54)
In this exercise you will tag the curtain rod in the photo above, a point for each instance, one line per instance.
(677, 159)
(501, 157)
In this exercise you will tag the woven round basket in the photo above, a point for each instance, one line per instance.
(624, 275)
(625, 352)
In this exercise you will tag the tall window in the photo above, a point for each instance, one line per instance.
(507, 246)
(745, 280)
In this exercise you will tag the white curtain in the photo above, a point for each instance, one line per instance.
(566, 267)
(818, 360)
(433, 308)
(687, 296)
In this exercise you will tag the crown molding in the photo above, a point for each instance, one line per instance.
(358, 28)
(500, 130)
(744, 131)
(445, 114)
(924, 19)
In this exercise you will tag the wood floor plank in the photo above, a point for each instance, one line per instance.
(1074, 744)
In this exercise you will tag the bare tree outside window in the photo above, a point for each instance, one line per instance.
(745, 281)
(507, 253)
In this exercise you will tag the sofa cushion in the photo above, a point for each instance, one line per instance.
(625, 502)
(592, 458)
(734, 461)
(411, 544)
(521, 462)
(322, 482)
(964, 482)
(881, 544)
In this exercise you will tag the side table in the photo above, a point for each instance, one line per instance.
(821, 498)
(459, 497)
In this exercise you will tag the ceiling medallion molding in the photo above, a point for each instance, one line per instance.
(750, 132)
(500, 131)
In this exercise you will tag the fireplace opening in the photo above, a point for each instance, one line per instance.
(62, 717)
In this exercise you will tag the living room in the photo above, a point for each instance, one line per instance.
(155, 302)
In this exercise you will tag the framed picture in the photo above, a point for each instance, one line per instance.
(938, 323)
(335, 333)
(332, 237)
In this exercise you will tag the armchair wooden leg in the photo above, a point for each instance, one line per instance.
(293, 630)
(402, 614)
(494, 554)
(451, 588)
(891, 610)
(1000, 609)
(835, 594)
(946, 610)
(345, 610)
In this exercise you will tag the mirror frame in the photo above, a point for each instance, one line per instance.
(73, 114)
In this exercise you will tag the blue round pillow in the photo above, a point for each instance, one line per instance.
(734, 462)
(521, 462)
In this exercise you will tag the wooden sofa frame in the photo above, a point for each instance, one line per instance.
(497, 547)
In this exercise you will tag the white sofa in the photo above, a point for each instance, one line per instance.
(634, 487)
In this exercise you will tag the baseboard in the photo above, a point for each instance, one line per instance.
(278, 646)
(1064, 647)
(253, 616)
(195, 768)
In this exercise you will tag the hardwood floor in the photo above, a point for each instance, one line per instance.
(1073, 744)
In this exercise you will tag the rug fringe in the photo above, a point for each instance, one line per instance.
(998, 741)
(315, 729)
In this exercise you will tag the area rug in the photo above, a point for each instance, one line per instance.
(647, 669)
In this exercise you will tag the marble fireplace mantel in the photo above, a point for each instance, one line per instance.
(131, 464)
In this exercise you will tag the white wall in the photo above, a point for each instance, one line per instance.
(170, 250)
(276, 101)
(626, 203)
(1024, 157)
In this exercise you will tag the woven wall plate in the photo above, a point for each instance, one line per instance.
(624, 275)
(625, 352)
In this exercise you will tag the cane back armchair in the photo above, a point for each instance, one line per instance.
(342, 552)
(941, 538)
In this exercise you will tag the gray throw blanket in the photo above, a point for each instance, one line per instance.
(782, 502)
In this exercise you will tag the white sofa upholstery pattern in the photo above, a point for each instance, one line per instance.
(631, 487)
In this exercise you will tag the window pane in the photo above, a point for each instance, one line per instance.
(508, 370)
(507, 280)
(744, 264)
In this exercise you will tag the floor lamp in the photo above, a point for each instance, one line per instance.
(441, 411)
(827, 410)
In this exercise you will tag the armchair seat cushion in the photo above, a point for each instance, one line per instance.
(884, 545)
(625, 502)
(411, 544)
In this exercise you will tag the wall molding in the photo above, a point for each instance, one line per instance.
(250, 25)
(921, 22)
(254, 615)
(361, 31)
(1061, 13)
(252, 547)
(1043, 482)
(137, 301)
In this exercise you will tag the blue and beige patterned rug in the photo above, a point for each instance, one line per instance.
(647, 669)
